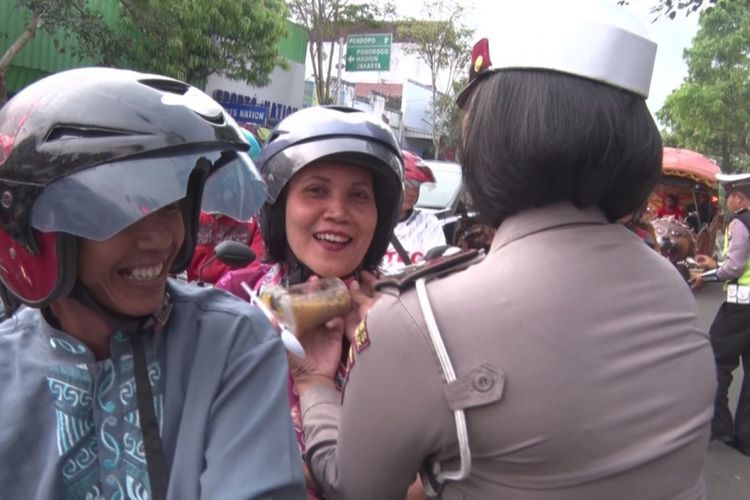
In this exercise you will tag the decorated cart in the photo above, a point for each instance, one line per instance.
(684, 205)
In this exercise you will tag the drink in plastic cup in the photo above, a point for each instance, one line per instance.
(307, 305)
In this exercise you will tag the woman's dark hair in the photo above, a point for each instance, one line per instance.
(533, 138)
(274, 229)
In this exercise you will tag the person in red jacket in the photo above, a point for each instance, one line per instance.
(670, 207)
(215, 228)
(212, 230)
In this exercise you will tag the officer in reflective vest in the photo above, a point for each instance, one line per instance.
(730, 330)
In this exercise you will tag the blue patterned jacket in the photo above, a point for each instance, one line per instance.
(69, 425)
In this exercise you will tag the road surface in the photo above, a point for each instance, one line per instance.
(727, 471)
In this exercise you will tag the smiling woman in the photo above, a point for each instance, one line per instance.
(335, 179)
(331, 217)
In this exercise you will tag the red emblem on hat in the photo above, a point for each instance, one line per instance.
(480, 58)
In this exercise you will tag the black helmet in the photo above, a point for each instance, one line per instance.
(339, 134)
(88, 152)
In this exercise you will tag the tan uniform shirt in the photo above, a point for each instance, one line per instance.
(606, 381)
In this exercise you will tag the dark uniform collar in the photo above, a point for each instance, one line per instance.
(535, 220)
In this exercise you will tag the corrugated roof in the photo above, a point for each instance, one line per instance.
(417, 134)
(294, 46)
(384, 89)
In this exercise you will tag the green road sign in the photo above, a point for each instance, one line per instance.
(368, 52)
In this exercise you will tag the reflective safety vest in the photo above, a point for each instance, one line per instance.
(744, 217)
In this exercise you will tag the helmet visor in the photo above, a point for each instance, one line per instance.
(235, 189)
(101, 201)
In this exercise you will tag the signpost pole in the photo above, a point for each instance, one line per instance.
(338, 67)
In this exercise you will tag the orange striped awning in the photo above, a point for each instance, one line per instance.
(687, 163)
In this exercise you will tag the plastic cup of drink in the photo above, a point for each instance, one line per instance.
(307, 305)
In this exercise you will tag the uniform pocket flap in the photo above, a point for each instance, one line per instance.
(482, 385)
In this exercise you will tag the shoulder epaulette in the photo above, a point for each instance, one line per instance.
(435, 268)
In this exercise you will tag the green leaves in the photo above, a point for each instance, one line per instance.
(66, 19)
(325, 22)
(445, 46)
(710, 111)
(191, 39)
(185, 39)
(669, 8)
(76, 27)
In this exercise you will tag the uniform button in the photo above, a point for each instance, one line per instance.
(483, 382)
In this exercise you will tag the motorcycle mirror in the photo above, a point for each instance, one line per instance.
(234, 253)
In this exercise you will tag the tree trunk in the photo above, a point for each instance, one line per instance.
(726, 158)
(435, 138)
(13, 51)
(319, 62)
(316, 77)
(3, 91)
(318, 23)
(328, 72)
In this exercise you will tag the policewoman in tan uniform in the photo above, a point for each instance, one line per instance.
(569, 362)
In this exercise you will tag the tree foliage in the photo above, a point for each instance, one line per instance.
(326, 22)
(444, 45)
(185, 39)
(62, 20)
(191, 39)
(710, 111)
(450, 132)
(669, 8)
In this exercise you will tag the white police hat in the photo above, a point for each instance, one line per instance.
(593, 39)
(732, 181)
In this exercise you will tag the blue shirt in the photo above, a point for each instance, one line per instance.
(69, 424)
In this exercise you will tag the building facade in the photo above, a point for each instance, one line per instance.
(264, 107)
(251, 106)
(399, 95)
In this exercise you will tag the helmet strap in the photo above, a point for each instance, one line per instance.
(190, 215)
(10, 303)
(126, 324)
(135, 328)
(298, 272)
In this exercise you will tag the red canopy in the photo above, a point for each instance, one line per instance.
(686, 163)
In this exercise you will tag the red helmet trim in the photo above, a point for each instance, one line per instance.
(415, 169)
(38, 278)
